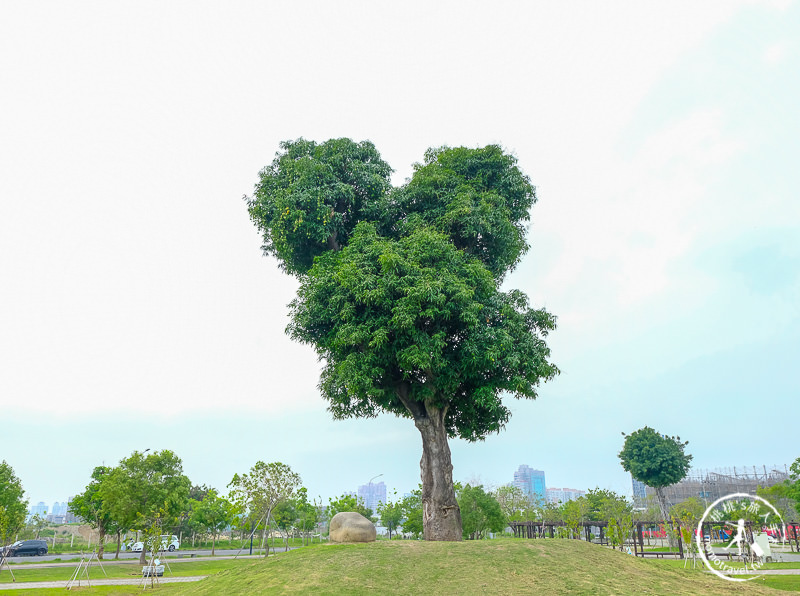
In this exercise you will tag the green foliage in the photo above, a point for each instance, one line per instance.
(480, 512)
(213, 514)
(391, 515)
(410, 307)
(596, 500)
(144, 491)
(345, 503)
(794, 485)
(36, 524)
(400, 289)
(618, 512)
(399, 323)
(652, 458)
(656, 460)
(91, 507)
(515, 504)
(687, 514)
(574, 512)
(13, 505)
(780, 496)
(312, 196)
(477, 197)
(265, 486)
(308, 513)
(551, 512)
(411, 507)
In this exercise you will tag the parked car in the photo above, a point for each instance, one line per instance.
(26, 547)
(169, 542)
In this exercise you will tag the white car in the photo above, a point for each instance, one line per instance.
(169, 542)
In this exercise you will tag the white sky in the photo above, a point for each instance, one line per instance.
(136, 310)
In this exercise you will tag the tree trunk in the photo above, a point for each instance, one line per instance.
(662, 505)
(441, 517)
(119, 544)
(102, 530)
(213, 543)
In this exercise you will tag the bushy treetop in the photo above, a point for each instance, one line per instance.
(652, 458)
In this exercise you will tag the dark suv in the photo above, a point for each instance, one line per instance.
(26, 547)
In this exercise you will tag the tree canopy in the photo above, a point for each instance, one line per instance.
(656, 460)
(145, 489)
(258, 492)
(213, 514)
(90, 506)
(480, 512)
(399, 290)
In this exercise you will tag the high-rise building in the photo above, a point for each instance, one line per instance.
(639, 491)
(531, 482)
(373, 494)
(562, 495)
(39, 509)
(59, 508)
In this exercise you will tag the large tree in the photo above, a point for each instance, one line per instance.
(399, 291)
(656, 460)
(145, 490)
(13, 504)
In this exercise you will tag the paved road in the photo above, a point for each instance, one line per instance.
(109, 555)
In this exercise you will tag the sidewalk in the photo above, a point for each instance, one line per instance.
(99, 582)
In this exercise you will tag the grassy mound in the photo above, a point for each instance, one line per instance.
(505, 566)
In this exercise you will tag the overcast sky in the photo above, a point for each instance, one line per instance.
(137, 311)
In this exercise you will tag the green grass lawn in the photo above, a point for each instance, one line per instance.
(505, 566)
(502, 566)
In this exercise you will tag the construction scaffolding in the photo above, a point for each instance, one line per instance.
(710, 485)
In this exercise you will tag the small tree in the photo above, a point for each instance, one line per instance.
(656, 460)
(480, 512)
(515, 504)
(36, 524)
(574, 512)
(259, 491)
(307, 513)
(212, 515)
(91, 508)
(344, 503)
(13, 505)
(687, 515)
(411, 507)
(618, 512)
(391, 514)
(794, 483)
